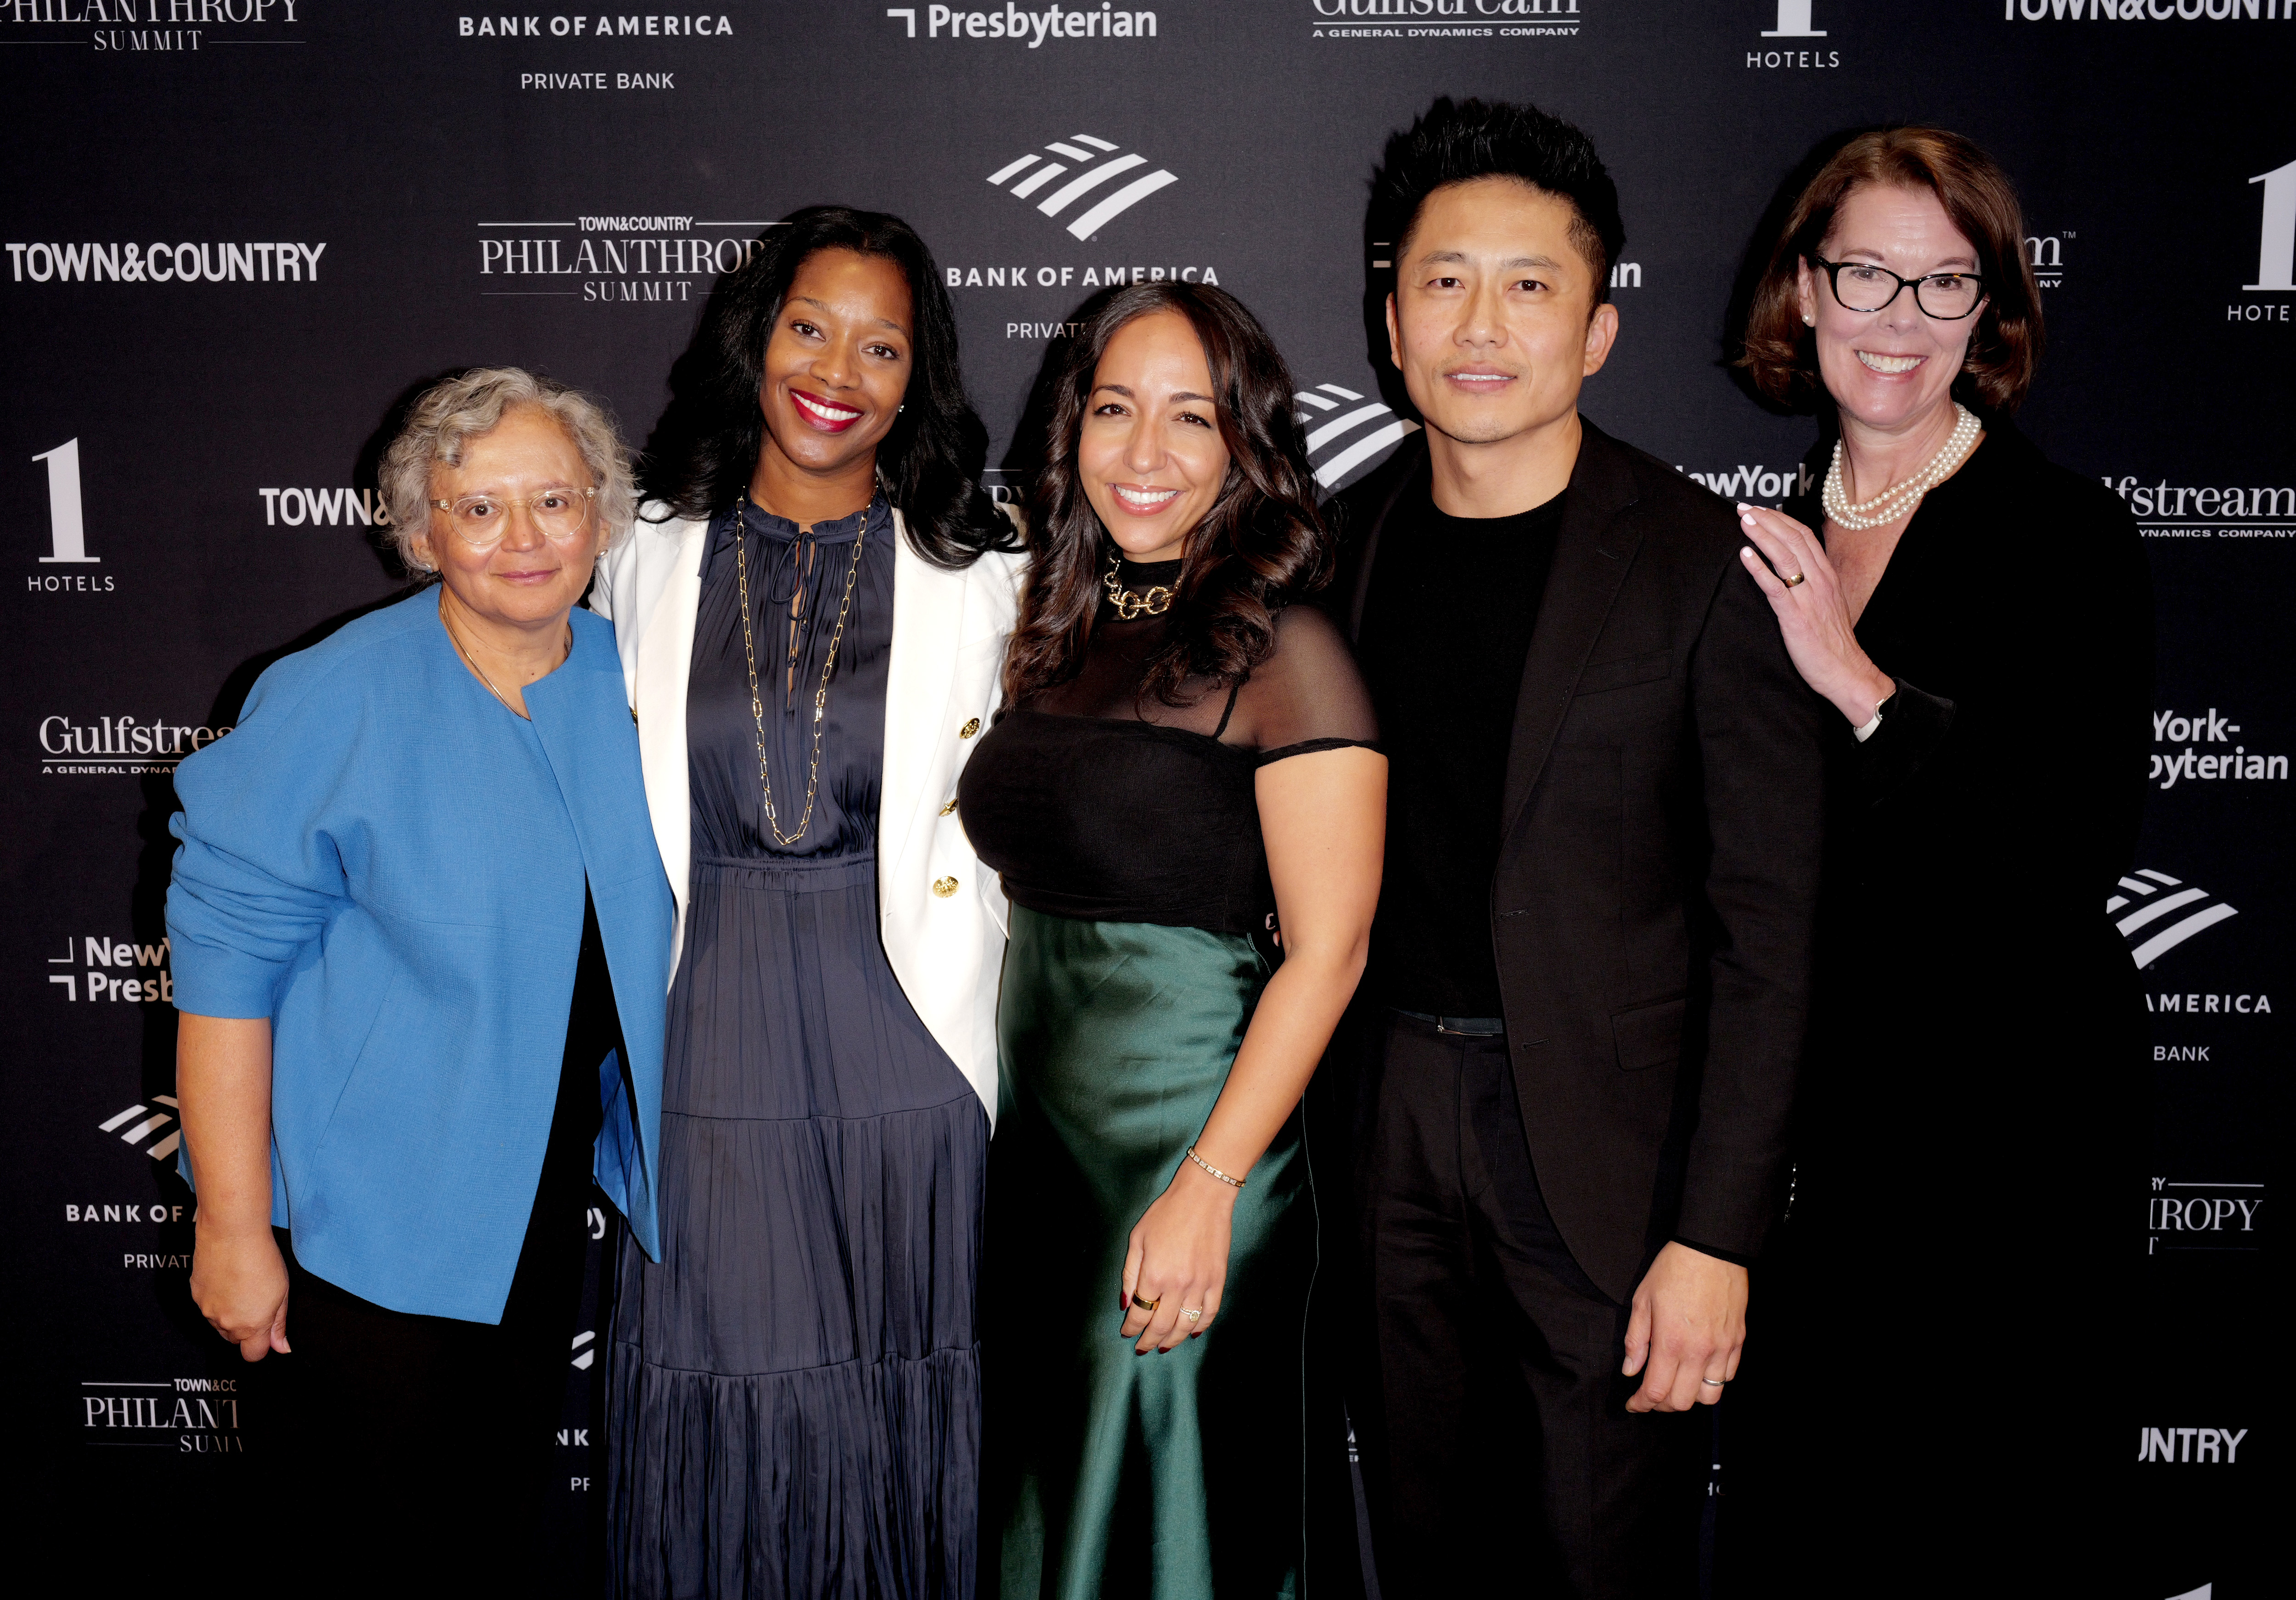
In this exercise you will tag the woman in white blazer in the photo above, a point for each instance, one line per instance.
(811, 615)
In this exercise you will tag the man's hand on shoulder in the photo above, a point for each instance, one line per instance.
(1688, 1325)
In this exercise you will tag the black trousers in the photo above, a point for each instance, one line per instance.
(415, 1455)
(1498, 1456)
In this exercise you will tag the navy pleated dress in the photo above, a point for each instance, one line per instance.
(794, 1401)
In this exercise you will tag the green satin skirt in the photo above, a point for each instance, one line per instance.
(1175, 1476)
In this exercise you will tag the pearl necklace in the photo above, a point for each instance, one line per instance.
(1900, 500)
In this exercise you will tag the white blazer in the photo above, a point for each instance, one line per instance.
(941, 913)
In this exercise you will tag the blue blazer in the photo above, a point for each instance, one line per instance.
(389, 865)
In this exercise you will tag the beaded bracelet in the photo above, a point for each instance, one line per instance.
(1233, 1183)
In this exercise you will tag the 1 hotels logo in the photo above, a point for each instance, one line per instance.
(2275, 248)
(1345, 434)
(2150, 932)
(1032, 173)
(1794, 28)
(67, 530)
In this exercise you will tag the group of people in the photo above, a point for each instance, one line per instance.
(1089, 1014)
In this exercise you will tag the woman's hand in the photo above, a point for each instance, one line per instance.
(1812, 614)
(239, 1282)
(1178, 1258)
(223, 1091)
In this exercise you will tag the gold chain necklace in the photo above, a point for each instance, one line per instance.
(1155, 603)
(820, 694)
(471, 661)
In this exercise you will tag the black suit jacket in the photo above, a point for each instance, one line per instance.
(1651, 911)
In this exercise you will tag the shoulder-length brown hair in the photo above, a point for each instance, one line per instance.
(1262, 543)
(1780, 352)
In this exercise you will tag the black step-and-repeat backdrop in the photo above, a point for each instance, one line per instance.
(237, 231)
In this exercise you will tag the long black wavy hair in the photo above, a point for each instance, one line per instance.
(706, 447)
(1262, 544)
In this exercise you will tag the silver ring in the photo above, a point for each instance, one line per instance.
(1713, 1382)
(1191, 1316)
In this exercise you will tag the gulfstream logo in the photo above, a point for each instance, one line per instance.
(117, 745)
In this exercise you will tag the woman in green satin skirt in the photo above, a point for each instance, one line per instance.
(1165, 789)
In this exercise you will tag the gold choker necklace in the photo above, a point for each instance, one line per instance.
(1129, 605)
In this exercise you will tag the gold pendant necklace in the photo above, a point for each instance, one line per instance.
(1155, 603)
(471, 661)
(820, 694)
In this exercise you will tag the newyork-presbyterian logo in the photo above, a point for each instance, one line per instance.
(1089, 164)
(149, 979)
(1347, 434)
(2207, 747)
(2162, 913)
(1032, 29)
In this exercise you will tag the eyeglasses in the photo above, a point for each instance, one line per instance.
(1862, 286)
(481, 520)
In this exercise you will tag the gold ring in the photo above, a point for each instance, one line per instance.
(1797, 578)
(1147, 1305)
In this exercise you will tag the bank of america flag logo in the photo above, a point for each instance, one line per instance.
(2166, 914)
(586, 1349)
(138, 1123)
(1095, 165)
(1345, 430)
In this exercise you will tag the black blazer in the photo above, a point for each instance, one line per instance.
(1658, 877)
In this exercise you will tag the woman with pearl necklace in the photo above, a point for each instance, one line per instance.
(1964, 1147)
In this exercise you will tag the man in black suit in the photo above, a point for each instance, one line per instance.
(1590, 972)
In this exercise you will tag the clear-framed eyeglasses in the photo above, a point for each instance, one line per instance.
(481, 520)
(1862, 286)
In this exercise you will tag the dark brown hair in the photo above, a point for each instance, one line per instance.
(1780, 352)
(1261, 544)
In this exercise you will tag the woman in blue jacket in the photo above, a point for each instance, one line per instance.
(422, 943)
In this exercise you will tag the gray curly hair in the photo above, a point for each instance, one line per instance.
(449, 415)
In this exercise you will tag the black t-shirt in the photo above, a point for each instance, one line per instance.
(1446, 631)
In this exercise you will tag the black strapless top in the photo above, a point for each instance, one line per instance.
(1095, 802)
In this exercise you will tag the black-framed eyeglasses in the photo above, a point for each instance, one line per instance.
(1862, 286)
